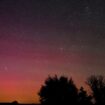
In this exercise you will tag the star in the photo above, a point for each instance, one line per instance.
(61, 49)
(5, 68)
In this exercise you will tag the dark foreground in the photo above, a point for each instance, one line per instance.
(16, 104)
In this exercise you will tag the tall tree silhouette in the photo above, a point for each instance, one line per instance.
(97, 85)
(58, 91)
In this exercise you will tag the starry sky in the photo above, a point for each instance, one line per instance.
(47, 37)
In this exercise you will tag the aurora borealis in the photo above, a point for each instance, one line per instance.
(47, 37)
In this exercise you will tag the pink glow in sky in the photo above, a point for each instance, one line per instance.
(23, 69)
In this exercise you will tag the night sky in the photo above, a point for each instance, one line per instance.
(47, 37)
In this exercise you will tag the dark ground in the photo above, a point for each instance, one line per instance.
(16, 104)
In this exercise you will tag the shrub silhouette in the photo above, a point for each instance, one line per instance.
(14, 103)
(84, 98)
(58, 91)
(97, 85)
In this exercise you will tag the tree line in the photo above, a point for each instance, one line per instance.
(63, 91)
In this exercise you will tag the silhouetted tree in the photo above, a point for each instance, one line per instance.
(84, 98)
(97, 85)
(58, 91)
